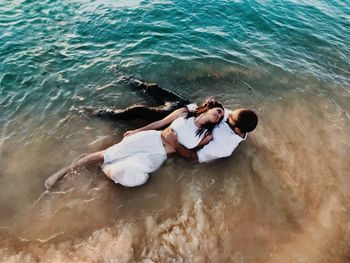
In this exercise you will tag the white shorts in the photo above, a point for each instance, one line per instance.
(129, 162)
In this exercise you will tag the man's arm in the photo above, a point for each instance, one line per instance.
(171, 137)
(186, 153)
(221, 147)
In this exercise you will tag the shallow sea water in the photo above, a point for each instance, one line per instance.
(283, 196)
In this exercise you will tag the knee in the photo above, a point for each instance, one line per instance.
(136, 111)
(108, 173)
(151, 87)
(135, 107)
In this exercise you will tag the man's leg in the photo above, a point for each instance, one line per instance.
(167, 102)
(82, 161)
(136, 112)
(160, 95)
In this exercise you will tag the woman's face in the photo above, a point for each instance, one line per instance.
(215, 114)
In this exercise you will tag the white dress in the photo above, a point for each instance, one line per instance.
(129, 162)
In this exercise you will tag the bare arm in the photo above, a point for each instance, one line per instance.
(186, 153)
(161, 123)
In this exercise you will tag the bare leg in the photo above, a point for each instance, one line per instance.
(81, 161)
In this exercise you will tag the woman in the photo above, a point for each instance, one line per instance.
(143, 150)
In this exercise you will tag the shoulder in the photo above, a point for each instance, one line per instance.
(223, 131)
(180, 112)
(225, 139)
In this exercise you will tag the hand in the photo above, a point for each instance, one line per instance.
(170, 136)
(207, 138)
(131, 132)
(209, 101)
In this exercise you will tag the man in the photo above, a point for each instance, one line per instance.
(226, 137)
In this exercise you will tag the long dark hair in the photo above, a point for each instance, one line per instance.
(202, 109)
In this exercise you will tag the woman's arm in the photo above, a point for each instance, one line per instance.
(159, 124)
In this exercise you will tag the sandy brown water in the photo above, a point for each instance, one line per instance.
(282, 197)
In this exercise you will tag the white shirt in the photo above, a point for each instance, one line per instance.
(223, 144)
(186, 132)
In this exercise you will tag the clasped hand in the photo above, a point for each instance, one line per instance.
(170, 136)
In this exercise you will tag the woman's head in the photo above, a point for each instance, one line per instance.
(214, 112)
(215, 115)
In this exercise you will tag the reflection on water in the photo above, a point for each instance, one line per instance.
(282, 196)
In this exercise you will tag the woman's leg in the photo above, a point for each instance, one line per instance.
(81, 161)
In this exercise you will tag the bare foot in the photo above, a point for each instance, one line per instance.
(53, 179)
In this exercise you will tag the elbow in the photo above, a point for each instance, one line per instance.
(190, 156)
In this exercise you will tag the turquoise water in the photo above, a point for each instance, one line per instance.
(288, 60)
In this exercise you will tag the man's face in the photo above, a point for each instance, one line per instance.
(232, 119)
